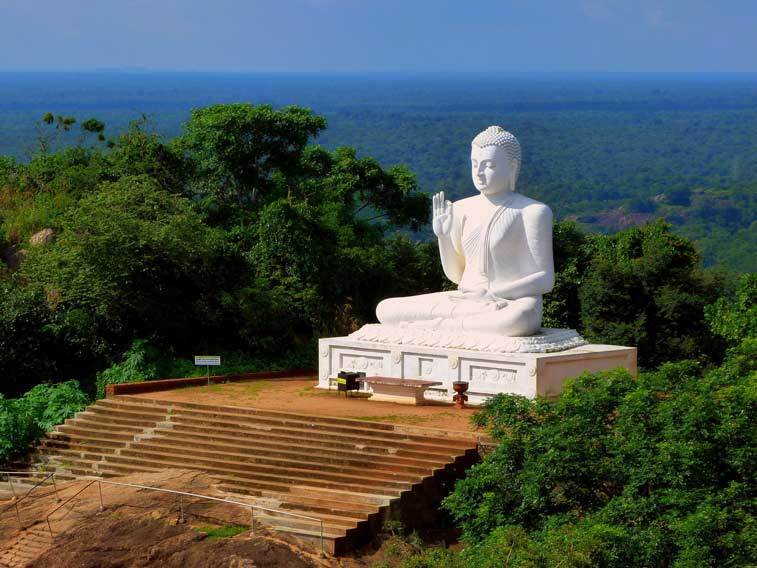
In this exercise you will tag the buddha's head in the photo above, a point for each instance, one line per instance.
(495, 161)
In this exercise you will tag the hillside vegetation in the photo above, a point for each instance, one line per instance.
(240, 236)
(123, 257)
(609, 150)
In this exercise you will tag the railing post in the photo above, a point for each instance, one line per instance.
(252, 521)
(55, 486)
(10, 483)
(181, 509)
(100, 488)
(323, 551)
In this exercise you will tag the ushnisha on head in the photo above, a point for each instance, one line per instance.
(495, 160)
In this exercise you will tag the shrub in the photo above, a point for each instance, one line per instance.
(136, 366)
(620, 471)
(734, 317)
(25, 419)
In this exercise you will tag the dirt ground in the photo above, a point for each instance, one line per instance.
(139, 528)
(299, 395)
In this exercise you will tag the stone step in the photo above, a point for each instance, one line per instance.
(344, 519)
(137, 412)
(276, 425)
(332, 529)
(335, 523)
(93, 429)
(294, 469)
(346, 506)
(246, 472)
(245, 422)
(317, 445)
(290, 460)
(251, 485)
(355, 456)
(74, 446)
(312, 502)
(271, 449)
(128, 423)
(249, 430)
(344, 472)
(309, 532)
(239, 416)
(84, 440)
(287, 437)
(336, 520)
(84, 428)
(459, 436)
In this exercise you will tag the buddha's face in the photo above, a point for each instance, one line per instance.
(490, 169)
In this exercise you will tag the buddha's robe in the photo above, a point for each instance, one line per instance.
(505, 250)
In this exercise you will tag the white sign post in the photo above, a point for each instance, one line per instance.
(207, 361)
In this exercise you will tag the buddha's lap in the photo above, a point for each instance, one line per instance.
(448, 305)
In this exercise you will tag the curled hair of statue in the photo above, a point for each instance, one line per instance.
(498, 136)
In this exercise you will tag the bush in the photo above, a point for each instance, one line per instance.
(25, 419)
(735, 317)
(620, 471)
(134, 367)
(144, 361)
(26, 345)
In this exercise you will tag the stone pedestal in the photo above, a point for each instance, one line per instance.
(488, 373)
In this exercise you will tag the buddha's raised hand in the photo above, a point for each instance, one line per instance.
(442, 215)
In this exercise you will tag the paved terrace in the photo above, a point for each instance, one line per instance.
(299, 395)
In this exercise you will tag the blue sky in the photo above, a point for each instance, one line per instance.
(380, 35)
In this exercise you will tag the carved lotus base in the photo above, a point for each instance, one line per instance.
(548, 340)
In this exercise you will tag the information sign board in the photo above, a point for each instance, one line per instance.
(207, 360)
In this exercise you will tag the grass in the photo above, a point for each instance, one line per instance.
(254, 388)
(227, 531)
(312, 391)
(249, 389)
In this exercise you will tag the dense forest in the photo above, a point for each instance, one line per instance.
(242, 236)
(124, 254)
(609, 151)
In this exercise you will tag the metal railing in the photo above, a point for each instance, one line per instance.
(181, 495)
(16, 499)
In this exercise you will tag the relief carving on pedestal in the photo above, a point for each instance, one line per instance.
(492, 376)
(374, 365)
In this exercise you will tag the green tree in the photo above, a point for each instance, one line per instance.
(562, 306)
(27, 349)
(141, 152)
(132, 258)
(236, 148)
(358, 191)
(644, 287)
(734, 316)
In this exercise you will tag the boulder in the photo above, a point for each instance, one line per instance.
(43, 237)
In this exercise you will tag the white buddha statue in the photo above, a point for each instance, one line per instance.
(496, 246)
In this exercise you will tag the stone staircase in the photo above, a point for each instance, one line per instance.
(30, 545)
(353, 475)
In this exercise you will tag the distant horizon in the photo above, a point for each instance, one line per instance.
(409, 73)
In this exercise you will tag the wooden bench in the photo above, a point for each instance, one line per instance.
(402, 391)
